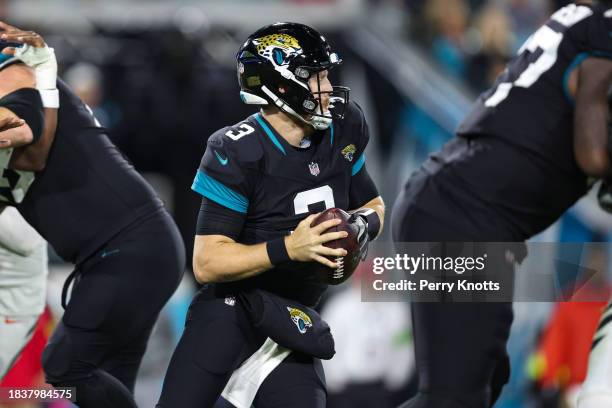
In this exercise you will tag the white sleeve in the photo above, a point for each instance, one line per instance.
(16, 234)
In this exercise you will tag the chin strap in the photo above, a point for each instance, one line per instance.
(317, 122)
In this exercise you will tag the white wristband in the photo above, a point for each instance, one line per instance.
(50, 98)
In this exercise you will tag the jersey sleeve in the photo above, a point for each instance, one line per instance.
(223, 176)
(362, 188)
(215, 219)
(599, 32)
(360, 135)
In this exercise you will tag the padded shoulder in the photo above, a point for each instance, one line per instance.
(240, 142)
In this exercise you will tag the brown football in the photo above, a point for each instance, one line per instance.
(348, 263)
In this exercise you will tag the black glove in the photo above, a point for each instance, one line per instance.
(604, 196)
(363, 238)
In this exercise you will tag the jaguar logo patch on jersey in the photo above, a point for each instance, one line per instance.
(301, 319)
(314, 169)
(349, 152)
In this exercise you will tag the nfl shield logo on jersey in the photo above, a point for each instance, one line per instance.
(314, 169)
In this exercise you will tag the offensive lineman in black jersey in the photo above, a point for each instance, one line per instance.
(78, 191)
(520, 159)
(262, 180)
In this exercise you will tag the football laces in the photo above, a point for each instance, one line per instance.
(339, 272)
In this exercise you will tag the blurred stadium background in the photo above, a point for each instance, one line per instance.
(160, 75)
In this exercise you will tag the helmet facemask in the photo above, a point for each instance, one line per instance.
(315, 113)
(309, 98)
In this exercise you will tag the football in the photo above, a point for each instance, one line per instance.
(348, 263)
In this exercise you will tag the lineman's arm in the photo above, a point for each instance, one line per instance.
(591, 144)
(40, 59)
(14, 108)
(34, 157)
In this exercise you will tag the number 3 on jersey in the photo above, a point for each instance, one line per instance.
(317, 195)
(244, 129)
(538, 54)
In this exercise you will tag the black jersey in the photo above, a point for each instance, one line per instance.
(88, 192)
(528, 116)
(271, 186)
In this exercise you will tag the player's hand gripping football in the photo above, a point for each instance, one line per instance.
(306, 242)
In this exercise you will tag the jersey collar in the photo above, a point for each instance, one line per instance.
(278, 141)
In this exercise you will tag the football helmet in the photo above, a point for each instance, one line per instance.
(274, 67)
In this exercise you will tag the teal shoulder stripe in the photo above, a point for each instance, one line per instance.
(270, 134)
(332, 135)
(358, 165)
(219, 193)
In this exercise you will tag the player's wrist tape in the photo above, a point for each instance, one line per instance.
(26, 104)
(50, 98)
(372, 219)
(43, 60)
(277, 251)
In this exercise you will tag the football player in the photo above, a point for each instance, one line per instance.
(262, 182)
(79, 192)
(520, 159)
(23, 276)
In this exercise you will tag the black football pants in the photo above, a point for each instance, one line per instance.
(461, 355)
(117, 296)
(217, 339)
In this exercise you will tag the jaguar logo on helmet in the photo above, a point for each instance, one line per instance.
(278, 47)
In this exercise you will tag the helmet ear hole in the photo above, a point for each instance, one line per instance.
(282, 90)
(310, 105)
